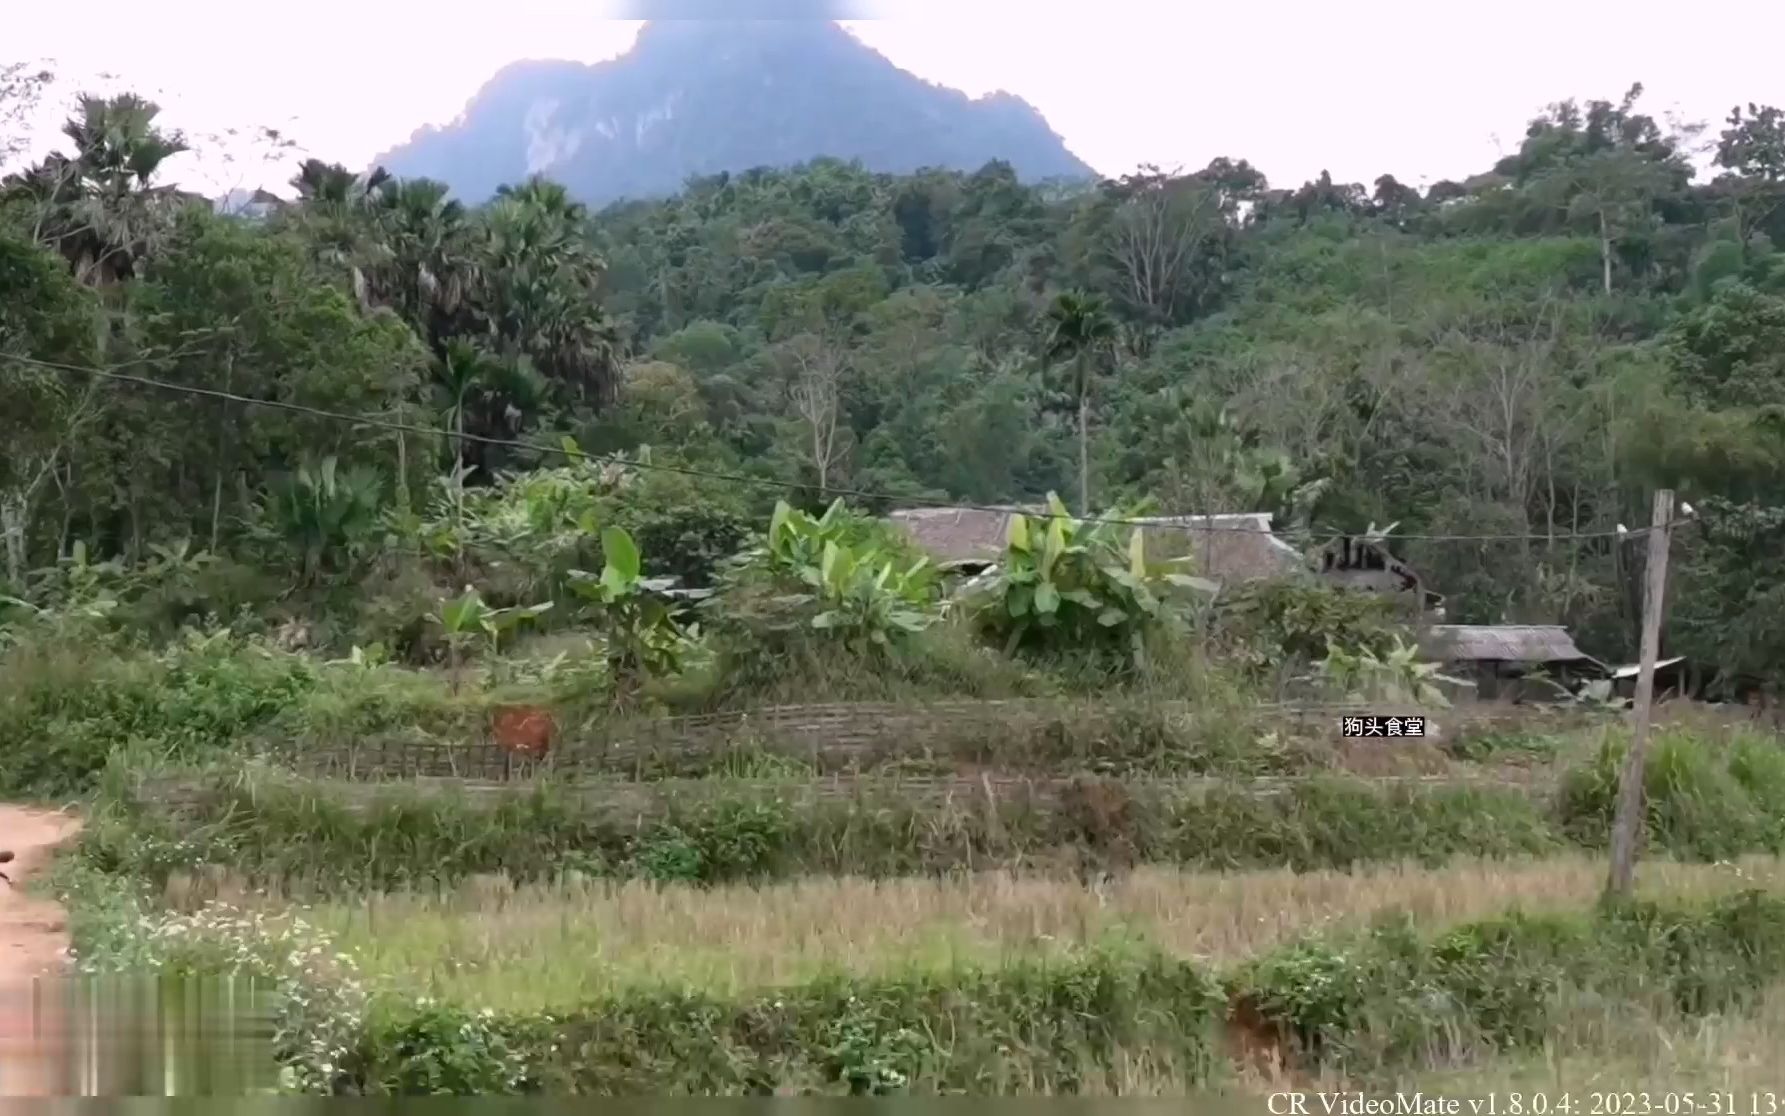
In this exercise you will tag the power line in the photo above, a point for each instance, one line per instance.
(742, 478)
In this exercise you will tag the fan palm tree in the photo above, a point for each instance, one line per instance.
(542, 282)
(483, 394)
(1081, 334)
(100, 205)
(336, 214)
(426, 269)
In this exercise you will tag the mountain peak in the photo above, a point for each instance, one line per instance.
(697, 97)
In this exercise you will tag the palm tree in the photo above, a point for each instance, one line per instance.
(1081, 332)
(323, 184)
(426, 270)
(542, 282)
(100, 205)
(336, 214)
(484, 394)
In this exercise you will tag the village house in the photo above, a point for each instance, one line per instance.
(1503, 662)
(1368, 566)
(1511, 662)
(1225, 549)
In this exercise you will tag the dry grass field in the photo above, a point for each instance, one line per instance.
(490, 943)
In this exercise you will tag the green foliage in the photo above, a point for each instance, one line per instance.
(857, 588)
(643, 638)
(840, 578)
(315, 836)
(1398, 677)
(1373, 1004)
(327, 515)
(467, 616)
(1702, 800)
(1270, 624)
(1522, 353)
(1064, 582)
(70, 702)
(1045, 1026)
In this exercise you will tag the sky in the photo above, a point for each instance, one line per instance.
(1423, 90)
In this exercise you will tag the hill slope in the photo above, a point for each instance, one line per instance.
(701, 98)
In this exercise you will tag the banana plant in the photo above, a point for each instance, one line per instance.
(467, 617)
(866, 601)
(1064, 581)
(795, 542)
(643, 638)
(1398, 676)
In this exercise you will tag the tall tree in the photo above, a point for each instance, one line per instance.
(1081, 334)
(44, 316)
(99, 203)
(1752, 151)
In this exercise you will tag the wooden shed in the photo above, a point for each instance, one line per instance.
(1511, 662)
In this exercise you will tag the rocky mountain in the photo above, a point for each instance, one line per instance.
(697, 98)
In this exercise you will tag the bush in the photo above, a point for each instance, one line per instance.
(1705, 800)
(1370, 1004)
(1280, 625)
(67, 705)
(1069, 585)
(1062, 1026)
(335, 838)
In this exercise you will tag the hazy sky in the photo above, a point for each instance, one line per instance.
(1424, 90)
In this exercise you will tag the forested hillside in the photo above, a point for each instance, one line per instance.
(1525, 353)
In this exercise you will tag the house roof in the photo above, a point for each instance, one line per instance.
(1506, 643)
(1225, 548)
(957, 534)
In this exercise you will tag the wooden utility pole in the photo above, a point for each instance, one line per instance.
(1627, 827)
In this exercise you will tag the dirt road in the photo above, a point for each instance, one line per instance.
(33, 943)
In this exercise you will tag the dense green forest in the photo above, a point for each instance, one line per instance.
(1524, 353)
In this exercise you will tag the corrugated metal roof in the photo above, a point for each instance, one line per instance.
(1634, 669)
(1506, 643)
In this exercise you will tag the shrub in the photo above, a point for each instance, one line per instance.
(1060, 1026)
(1064, 583)
(839, 578)
(1373, 1003)
(316, 835)
(66, 705)
(1268, 625)
(1703, 800)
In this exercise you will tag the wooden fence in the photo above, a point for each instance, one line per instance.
(624, 798)
(839, 736)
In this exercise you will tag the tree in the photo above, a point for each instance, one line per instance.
(98, 204)
(816, 368)
(482, 394)
(1161, 229)
(1609, 168)
(1752, 150)
(43, 316)
(231, 306)
(1613, 189)
(425, 266)
(336, 217)
(540, 292)
(1081, 333)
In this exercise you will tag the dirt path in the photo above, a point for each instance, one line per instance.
(33, 943)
